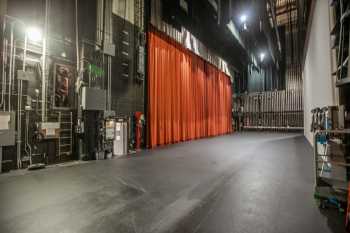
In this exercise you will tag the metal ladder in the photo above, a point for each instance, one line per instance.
(65, 140)
(125, 50)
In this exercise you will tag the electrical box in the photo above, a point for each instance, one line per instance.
(25, 75)
(49, 129)
(93, 99)
(109, 117)
(120, 144)
(108, 114)
(7, 128)
(141, 61)
(110, 129)
(109, 49)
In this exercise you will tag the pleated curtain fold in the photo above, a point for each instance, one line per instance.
(188, 98)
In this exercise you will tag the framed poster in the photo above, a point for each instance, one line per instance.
(63, 81)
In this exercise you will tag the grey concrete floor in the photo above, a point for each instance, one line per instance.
(247, 182)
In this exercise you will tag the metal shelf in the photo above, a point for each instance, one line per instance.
(335, 29)
(343, 65)
(330, 173)
(334, 2)
(338, 131)
(342, 82)
(345, 15)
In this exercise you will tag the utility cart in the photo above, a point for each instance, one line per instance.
(331, 168)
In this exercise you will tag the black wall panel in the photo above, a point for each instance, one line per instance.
(127, 90)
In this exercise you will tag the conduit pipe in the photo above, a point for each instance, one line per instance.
(4, 64)
(12, 79)
(77, 34)
(44, 60)
(11, 64)
(19, 104)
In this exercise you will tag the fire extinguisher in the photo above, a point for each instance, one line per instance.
(139, 120)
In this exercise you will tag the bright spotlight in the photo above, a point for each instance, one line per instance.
(262, 56)
(243, 18)
(34, 34)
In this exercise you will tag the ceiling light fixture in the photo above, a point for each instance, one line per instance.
(262, 57)
(243, 18)
(34, 34)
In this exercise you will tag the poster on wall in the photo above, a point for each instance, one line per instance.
(63, 80)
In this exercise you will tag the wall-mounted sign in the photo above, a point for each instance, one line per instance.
(95, 70)
(63, 81)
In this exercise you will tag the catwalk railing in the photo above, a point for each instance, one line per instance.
(273, 110)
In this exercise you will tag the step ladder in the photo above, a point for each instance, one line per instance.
(65, 139)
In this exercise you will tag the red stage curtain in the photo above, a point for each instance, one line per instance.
(188, 98)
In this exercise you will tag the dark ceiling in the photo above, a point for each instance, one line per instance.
(209, 24)
(208, 19)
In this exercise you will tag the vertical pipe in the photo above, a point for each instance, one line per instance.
(107, 38)
(146, 20)
(268, 101)
(25, 53)
(98, 16)
(286, 107)
(77, 34)
(10, 68)
(0, 159)
(109, 88)
(267, 108)
(19, 130)
(289, 107)
(293, 98)
(274, 108)
(19, 133)
(26, 138)
(283, 108)
(100, 20)
(4, 77)
(43, 80)
(279, 108)
(19, 106)
(264, 109)
(4, 58)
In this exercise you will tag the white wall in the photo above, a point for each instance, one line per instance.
(318, 84)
